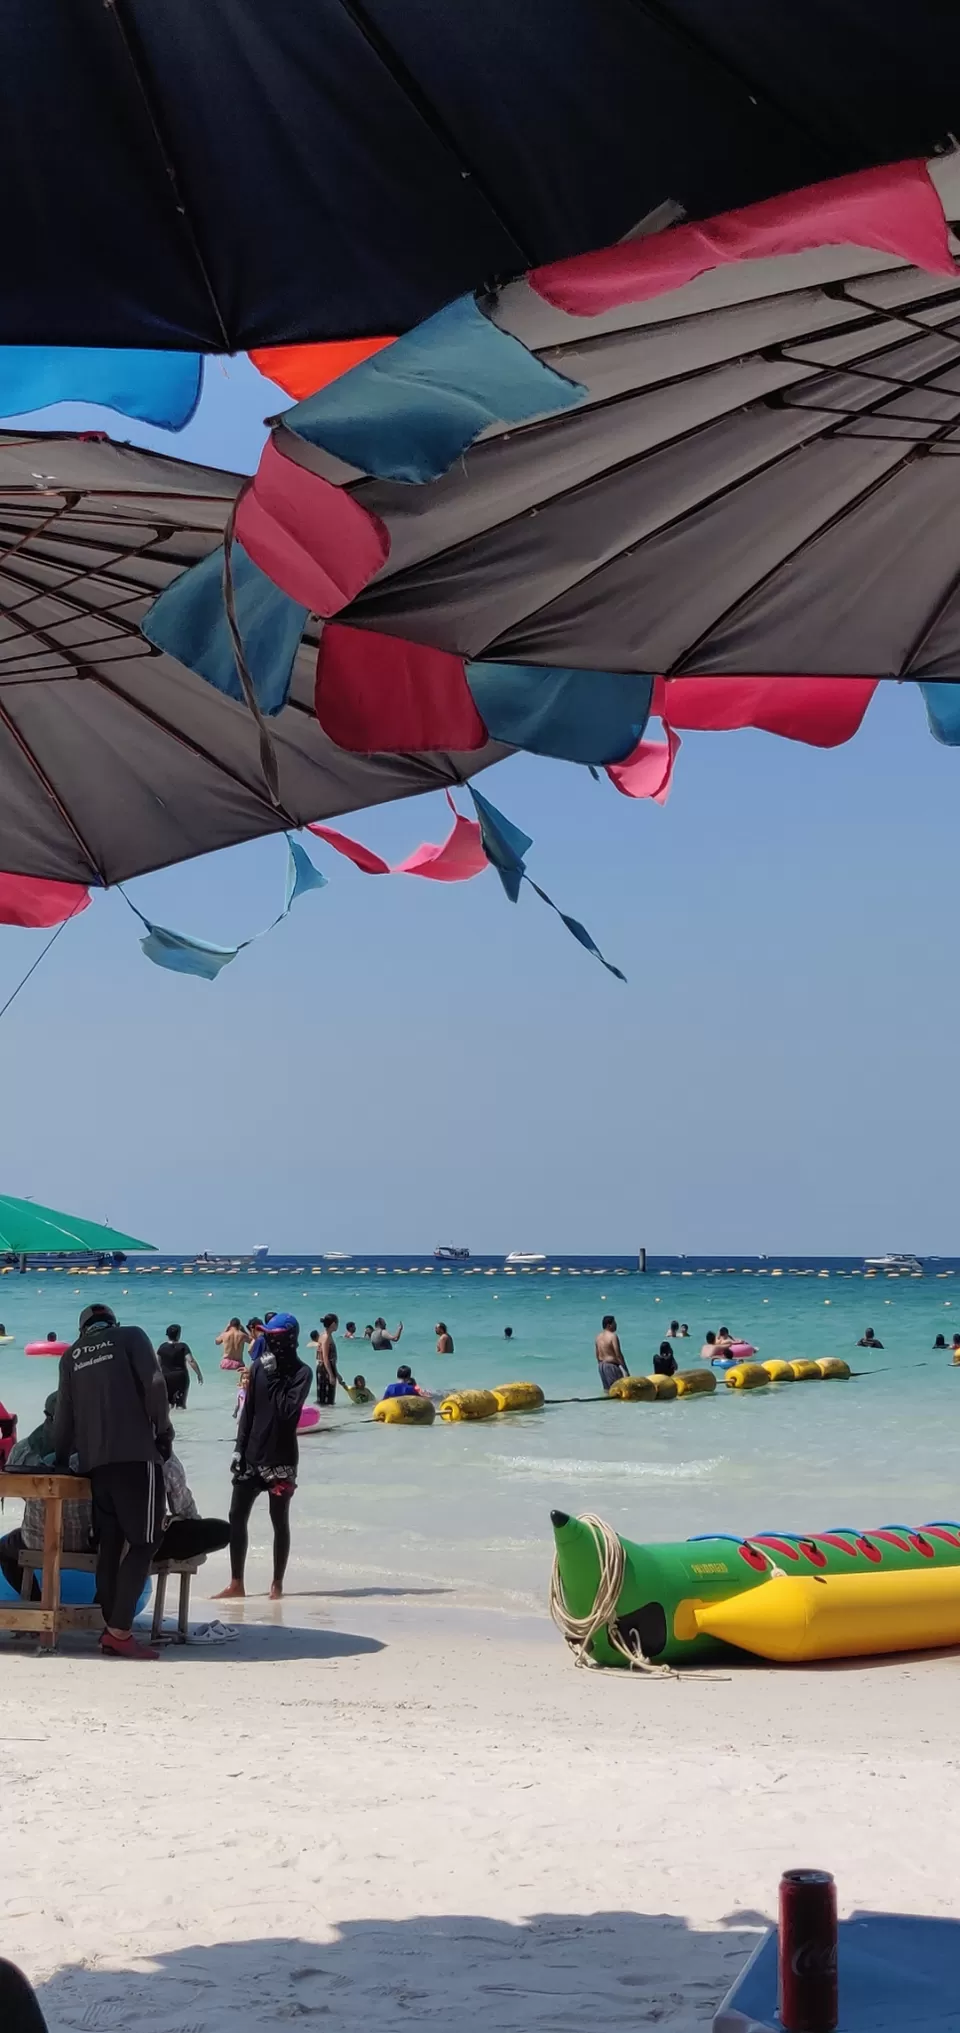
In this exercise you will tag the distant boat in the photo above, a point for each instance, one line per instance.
(452, 1252)
(334, 1256)
(525, 1256)
(894, 1260)
(205, 1262)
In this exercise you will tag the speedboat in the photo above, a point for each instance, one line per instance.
(525, 1256)
(451, 1252)
(894, 1260)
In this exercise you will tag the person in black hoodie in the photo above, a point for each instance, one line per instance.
(267, 1453)
(112, 1412)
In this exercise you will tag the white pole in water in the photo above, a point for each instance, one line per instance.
(642, 1260)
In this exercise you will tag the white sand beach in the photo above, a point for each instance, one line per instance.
(387, 1815)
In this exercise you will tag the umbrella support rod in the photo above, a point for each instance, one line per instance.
(44, 950)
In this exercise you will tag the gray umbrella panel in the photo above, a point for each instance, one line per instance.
(762, 480)
(114, 759)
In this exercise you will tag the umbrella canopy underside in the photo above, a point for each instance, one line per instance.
(114, 759)
(761, 477)
(251, 176)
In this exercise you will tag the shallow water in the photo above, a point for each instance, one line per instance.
(462, 1512)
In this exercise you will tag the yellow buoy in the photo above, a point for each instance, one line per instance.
(404, 1412)
(664, 1387)
(633, 1387)
(807, 1372)
(693, 1383)
(833, 1366)
(518, 1397)
(747, 1376)
(779, 1372)
(469, 1405)
(840, 1616)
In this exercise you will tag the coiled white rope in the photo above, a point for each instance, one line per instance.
(579, 1632)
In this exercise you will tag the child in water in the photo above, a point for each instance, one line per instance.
(359, 1392)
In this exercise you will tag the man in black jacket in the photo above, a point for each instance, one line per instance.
(112, 1412)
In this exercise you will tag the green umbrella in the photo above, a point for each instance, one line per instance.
(26, 1229)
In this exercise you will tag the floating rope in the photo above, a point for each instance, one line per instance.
(579, 1632)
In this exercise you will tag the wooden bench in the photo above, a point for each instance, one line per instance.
(46, 1619)
(86, 1563)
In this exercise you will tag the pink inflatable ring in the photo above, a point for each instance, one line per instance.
(47, 1347)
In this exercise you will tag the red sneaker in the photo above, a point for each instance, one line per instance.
(125, 1648)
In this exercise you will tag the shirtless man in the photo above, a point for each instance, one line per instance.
(444, 1338)
(611, 1361)
(233, 1341)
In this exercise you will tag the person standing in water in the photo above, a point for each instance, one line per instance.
(611, 1361)
(326, 1352)
(869, 1339)
(112, 1412)
(380, 1339)
(233, 1341)
(444, 1338)
(665, 1362)
(175, 1358)
(268, 1453)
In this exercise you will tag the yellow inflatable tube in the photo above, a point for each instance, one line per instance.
(404, 1412)
(633, 1388)
(518, 1397)
(779, 1372)
(839, 1616)
(695, 1382)
(833, 1366)
(468, 1405)
(747, 1376)
(807, 1372)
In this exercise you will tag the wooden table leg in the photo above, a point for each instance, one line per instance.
(50, 1581)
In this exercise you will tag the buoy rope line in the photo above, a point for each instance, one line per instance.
(579, 1632)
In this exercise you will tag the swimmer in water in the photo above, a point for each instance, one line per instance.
(869, 1339)
(665, 1362)
(350, 1331)
(508, 1334)
(709, 1349)
(444, 1338)
(359, 1391)
(380, 1339)
(940, 1342)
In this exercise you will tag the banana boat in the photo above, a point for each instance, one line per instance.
(840, 1594)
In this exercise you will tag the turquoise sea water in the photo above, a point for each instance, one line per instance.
(462, 1512)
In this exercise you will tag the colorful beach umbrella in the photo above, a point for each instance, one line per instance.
(712, 474)
(27, 1229)
(114, 759)
(228, 175)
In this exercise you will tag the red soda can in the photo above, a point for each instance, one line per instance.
(807, 1996)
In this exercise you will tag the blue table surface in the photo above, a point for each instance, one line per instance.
(894, 1970)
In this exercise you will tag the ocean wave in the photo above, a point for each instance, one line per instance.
(605, 1471)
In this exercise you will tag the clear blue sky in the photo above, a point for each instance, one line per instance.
(402, 1063)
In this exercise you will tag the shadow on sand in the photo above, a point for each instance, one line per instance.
(556, 1973)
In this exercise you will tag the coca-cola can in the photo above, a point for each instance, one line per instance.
(807, 1993)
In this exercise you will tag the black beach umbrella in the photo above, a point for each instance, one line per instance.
(214, 175)
(114, 759)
